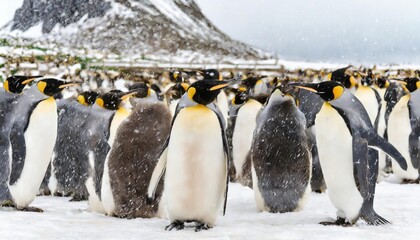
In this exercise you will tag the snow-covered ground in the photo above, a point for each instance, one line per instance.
(71, 220)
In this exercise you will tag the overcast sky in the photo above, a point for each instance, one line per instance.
(356, 31)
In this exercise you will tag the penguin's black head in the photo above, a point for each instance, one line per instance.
(16, 84)
(369, 79)
(175, 76)
(52, 86)
(210, 74)
(250, 82)
(241, 96)
(141, 90)
(87, 98)
(206, 91)
(178, 90)
(280, 95)
(328, 90)
(412, 84)
(382, 82)
(112, 100)
(342, 77)
(156, 88)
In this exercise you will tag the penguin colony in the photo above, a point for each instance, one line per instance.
(171, 153)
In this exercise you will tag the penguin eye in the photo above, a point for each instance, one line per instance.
(211, 74)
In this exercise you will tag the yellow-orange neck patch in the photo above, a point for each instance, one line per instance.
(338, 91)
(41, 86)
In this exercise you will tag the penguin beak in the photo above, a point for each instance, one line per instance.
(307, 88)
(220, 86)
(403, 85)
(303, 86)
(69, 85)
(29, 80)
(126, 96)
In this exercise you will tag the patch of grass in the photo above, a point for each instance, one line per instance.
(4, 42)
(37, 48)
(84, 61)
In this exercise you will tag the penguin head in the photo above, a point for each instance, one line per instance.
(279, 95)
(156, 88)
(369, 79)
(141, 90)
(52, 86)
(205, 91)
(412, 84)
(240, 97)
(210, 74)
(175, 76)
(382, 82)
(327, 90)
(16, 84)
(342, 77)
(87, 98)
(252, 81)
(178, 90)
(112, 100)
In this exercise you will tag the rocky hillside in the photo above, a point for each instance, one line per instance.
(128, 27)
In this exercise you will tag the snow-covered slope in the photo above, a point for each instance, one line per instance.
(126, 26)
(70, 220)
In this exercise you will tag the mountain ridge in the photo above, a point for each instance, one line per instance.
(128, 27)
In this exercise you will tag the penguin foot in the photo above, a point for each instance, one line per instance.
(58, 194)
(7, 203)
(201, 226)
(339, 222)
(409, 181)
(177, 225)
(78, 198)
(31, 209)
(45, 192)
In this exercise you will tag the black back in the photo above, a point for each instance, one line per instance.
(7, 110)
(26, 104)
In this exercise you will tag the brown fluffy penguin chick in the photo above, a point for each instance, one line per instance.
(135, 152)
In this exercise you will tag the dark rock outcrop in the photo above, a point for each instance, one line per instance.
(129, 26)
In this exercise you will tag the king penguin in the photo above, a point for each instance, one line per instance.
(37, 119)
(112, 101)
(344, 134)
(310, 104)
(195, 159)
(342, 76)
(70, 159)
(245, 123)
(9, 95)
(404, 131)
(280, 156)
(97, 126)
(137, 147)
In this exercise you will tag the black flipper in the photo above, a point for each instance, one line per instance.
(365, 169)
(413, 142)
(375, 140)
(17, 141)
(379, 99)
(222, 123)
